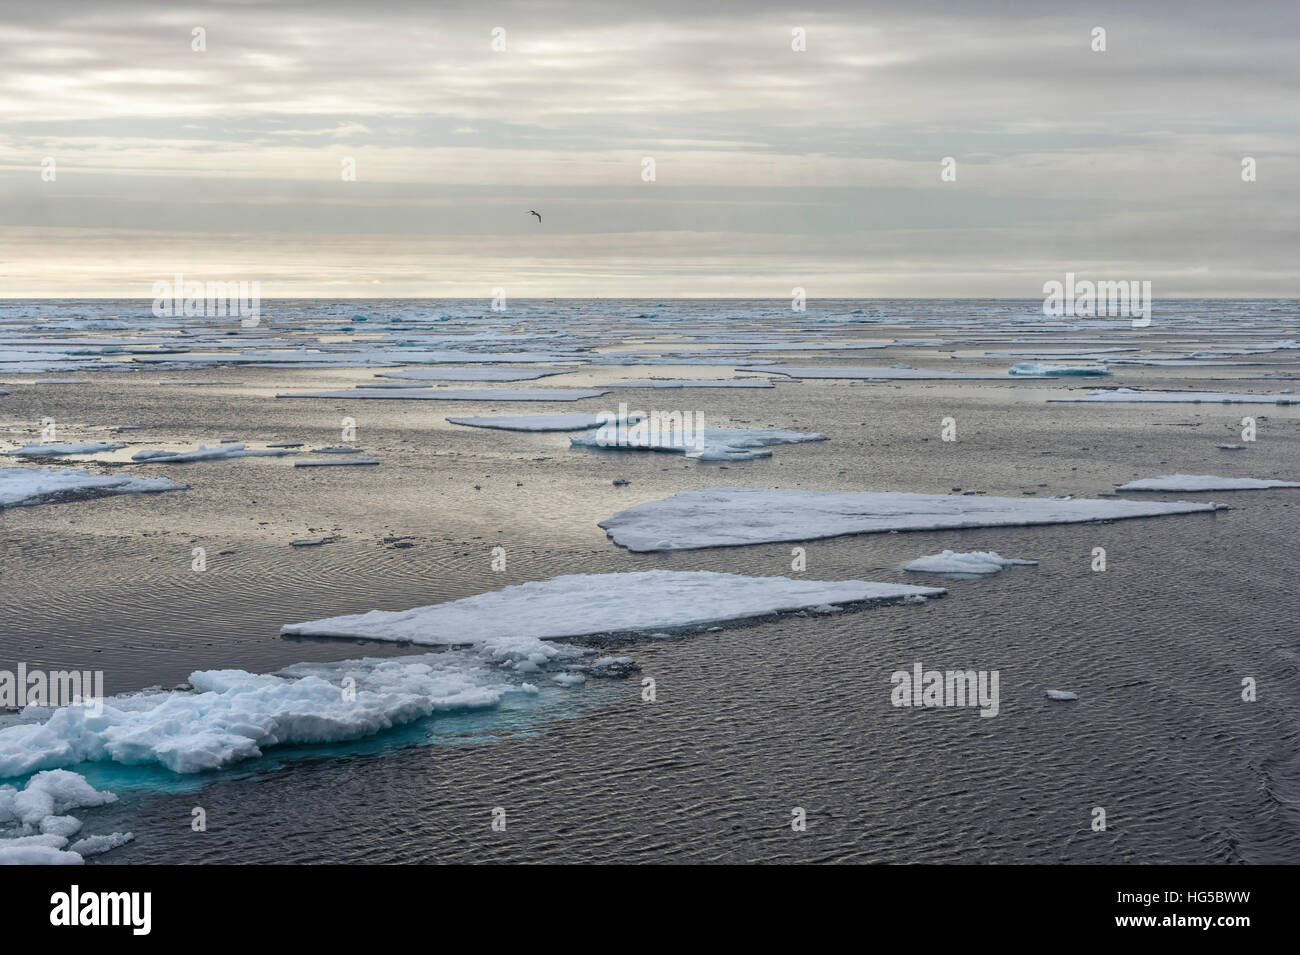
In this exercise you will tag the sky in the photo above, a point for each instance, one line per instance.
(127, 155)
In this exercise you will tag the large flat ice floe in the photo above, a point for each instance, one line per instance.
(455, 394)
(580, 421)
(589, 604)
(1201, 482)
(882, 373)
(1106, 395)
(19, 486)
(969, 563)
(732, 516)
(703, 444)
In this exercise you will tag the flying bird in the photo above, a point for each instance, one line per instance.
(533, 212)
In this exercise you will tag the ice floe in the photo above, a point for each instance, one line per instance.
(1191, 397)
(23, 486)
(588, 604)
(1054, 371)
(455, 394)
(205, 453)
(35, 827)
(1062, 695)
(55, 450)
(968, 563)
(472, 374)
(1201, 482)
(703, 444)
(881, 373)
(732, 516)
(693, 383)
(580, 421)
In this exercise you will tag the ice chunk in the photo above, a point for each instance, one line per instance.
(704, 444)
(693, 383)
(1178, 397)
(54, 450)
(1201, 482)
(587, 604)
(971, 562)
(205, 453)
(21, 486)
(96, 845)
(536, 422)
(1036, 369)
(35, 827)
(472, 374)
(455, 394)
(878, 373)
(1063, 695)
(731, 516)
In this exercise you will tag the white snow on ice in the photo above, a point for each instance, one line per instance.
(35, 827)
(455, 394)
(1175, 397)
(55, 450)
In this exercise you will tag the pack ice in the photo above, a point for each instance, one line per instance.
(20, 486)
(731, 516)
(589, 604)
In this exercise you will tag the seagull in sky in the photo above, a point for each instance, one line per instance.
(533, 212)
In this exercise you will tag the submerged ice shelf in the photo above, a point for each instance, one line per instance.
(732, 516)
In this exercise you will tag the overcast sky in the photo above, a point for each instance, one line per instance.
(773, 168)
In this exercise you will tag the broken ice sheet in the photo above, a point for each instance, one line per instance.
(970, 563)
(1202, 482)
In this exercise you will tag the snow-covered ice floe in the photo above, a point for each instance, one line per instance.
(205, 453)
(693, 383)
(970, 562)
(580, 421)
(335, 462)
(56, 450)
(881, 373)
(35, 825)
(1201, 482)
(704, 444)
(1036, 369)
(732, 516)
(455, 394)
(590, 604)
(1176, 397)
(471, 374)
(20, 486)
(1062, 695)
